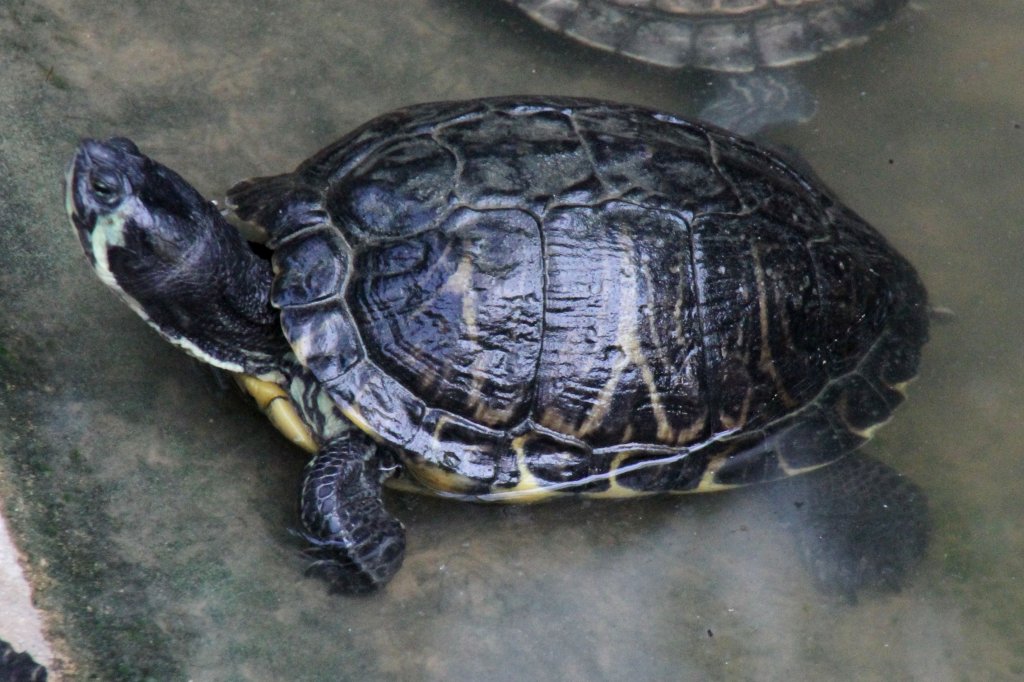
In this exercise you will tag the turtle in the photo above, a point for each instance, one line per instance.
(750, 43)
(519, 298)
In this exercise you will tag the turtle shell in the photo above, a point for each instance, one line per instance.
(718, 35)
(522, 296)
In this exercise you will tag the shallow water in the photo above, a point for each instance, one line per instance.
(154, 505)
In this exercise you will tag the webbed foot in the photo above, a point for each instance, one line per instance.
(858, 524)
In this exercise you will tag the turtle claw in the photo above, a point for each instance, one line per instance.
(346, 573)
(341, 579)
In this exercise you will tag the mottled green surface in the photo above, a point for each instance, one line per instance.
(154, 507)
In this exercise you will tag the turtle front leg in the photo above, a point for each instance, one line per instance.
(357, 545)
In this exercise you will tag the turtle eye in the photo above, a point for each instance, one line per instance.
(105, 185)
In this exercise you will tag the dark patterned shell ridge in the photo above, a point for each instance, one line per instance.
(524, 294)
(718, 35)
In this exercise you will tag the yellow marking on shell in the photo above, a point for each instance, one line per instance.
(615, 489)
(602, 404)
(868, 433)
(710, 487)
(627, 435)
(442, 421)
(765, 361)
(461, 283)
(427, 477)
(553, 419)
(680, 327)
(438, 479)
(627, 337)
(797, 471)
(302, 345)
(708, 484)
(730, 423)
(429, 377)
(426, 382)
(664, 426)
(489, 416)
(427, 275)
(665, 434)
(687, 435)
(276, 404)
(901, 387)
(528, 489)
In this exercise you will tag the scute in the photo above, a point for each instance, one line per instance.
(544, 144)
(453, 313)
(377, 404)
(554, 461)
(405, 186)
(310, 269)
(620, 362)
(324, 338)
(658, 306)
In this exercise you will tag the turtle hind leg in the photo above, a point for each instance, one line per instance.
(858, 524)
(747, 103)
(356, 545)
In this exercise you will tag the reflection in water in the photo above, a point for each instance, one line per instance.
(153, 506)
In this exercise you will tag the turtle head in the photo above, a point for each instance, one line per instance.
(168, 252)
(138, 221)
